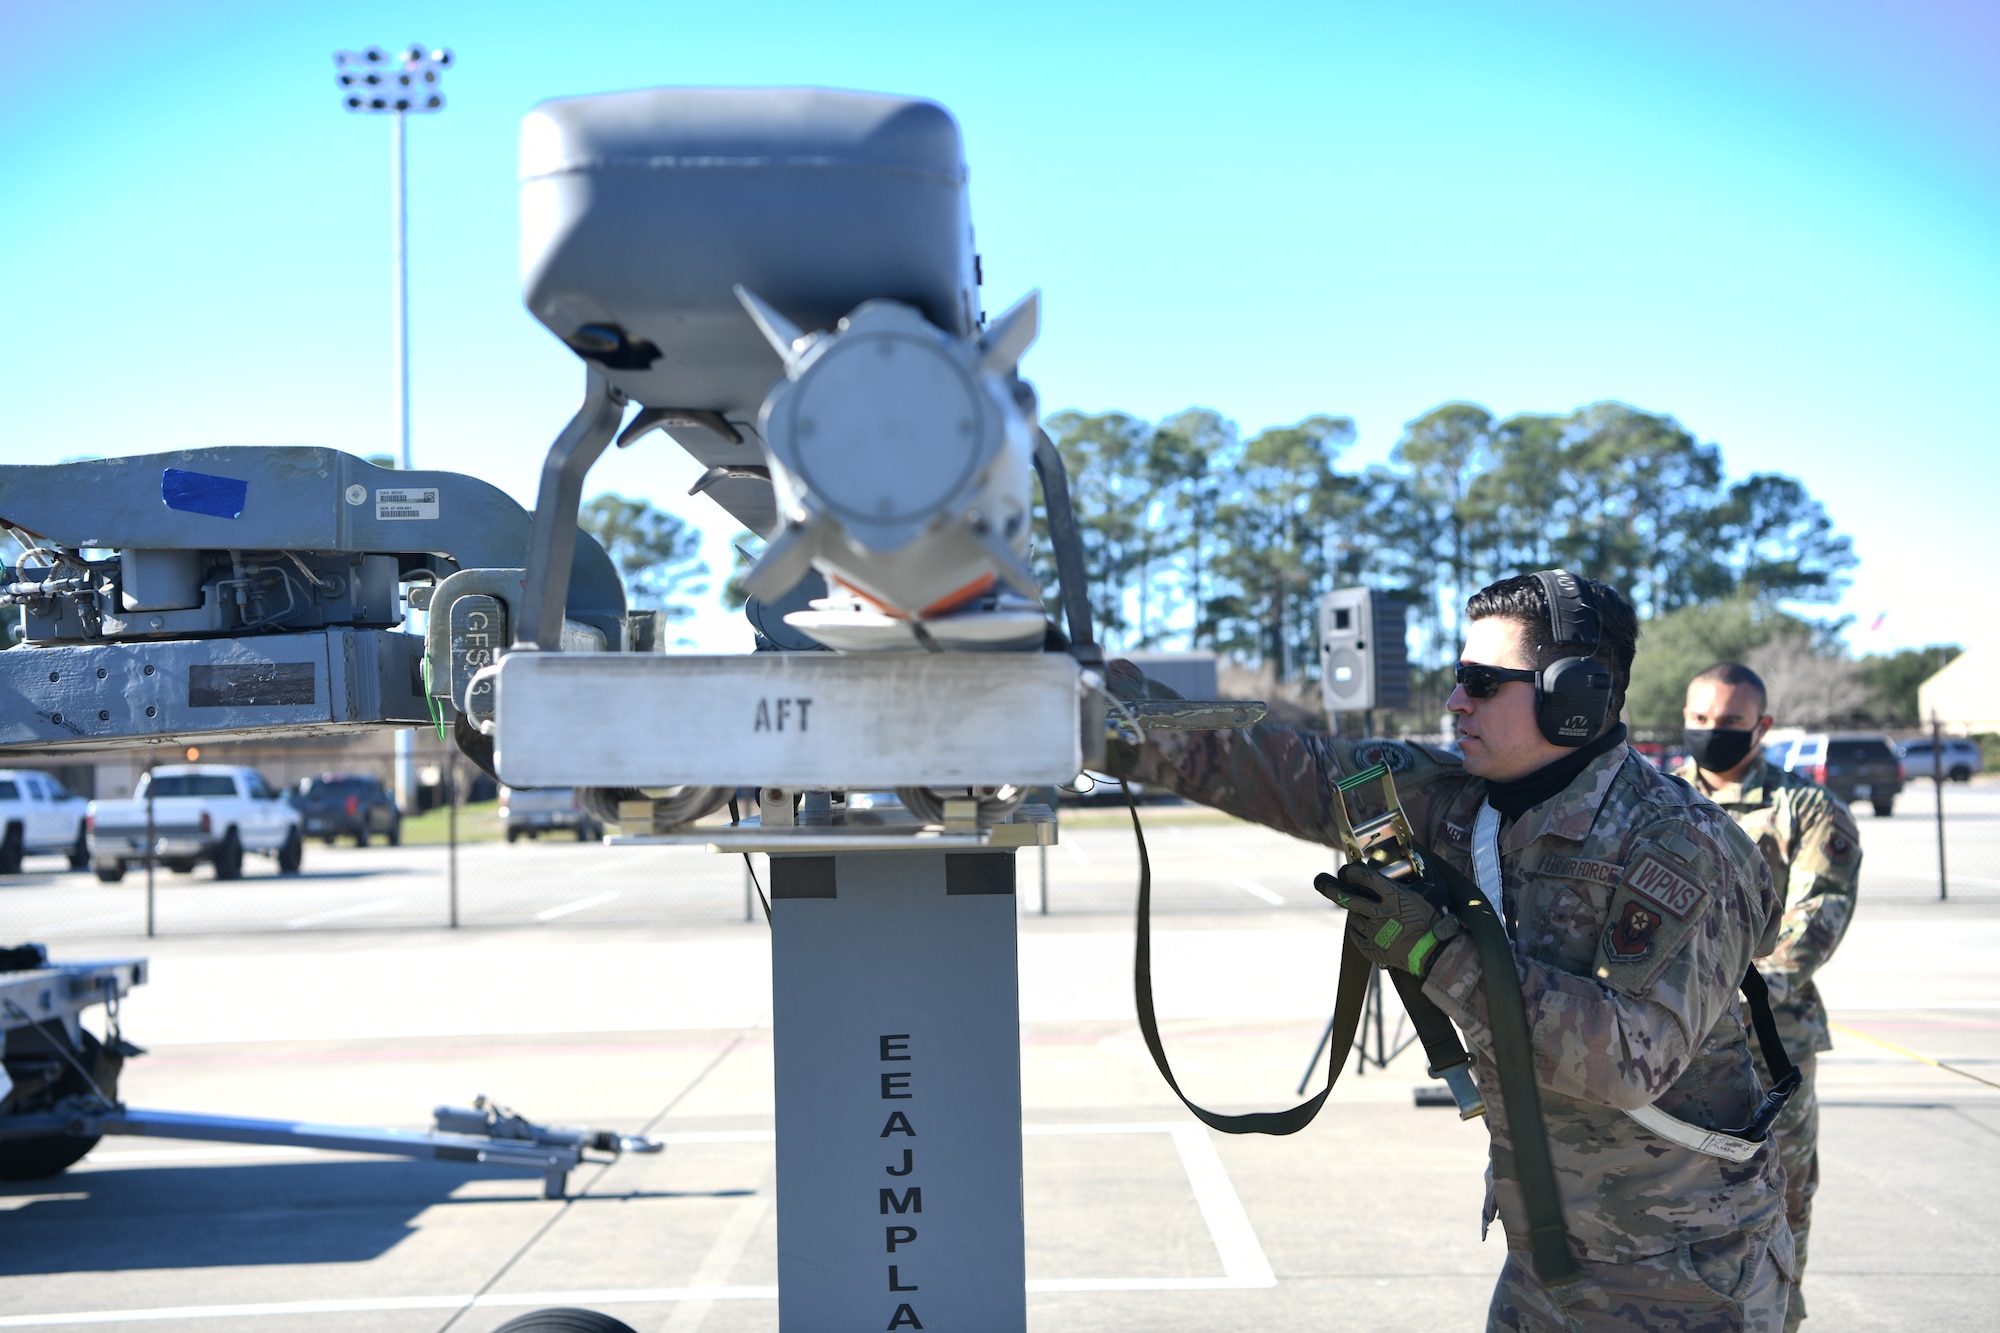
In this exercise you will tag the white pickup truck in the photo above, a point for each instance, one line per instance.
(201, 812)
(38, 816)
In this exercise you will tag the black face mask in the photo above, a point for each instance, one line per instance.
(1717, 751)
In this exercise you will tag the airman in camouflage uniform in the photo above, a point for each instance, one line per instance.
(1809, 840)
(1635, 908)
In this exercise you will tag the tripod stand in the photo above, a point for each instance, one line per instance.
(1388, 1043)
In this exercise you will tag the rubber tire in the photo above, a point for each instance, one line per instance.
(38, 1159)
(328, 840)
(108, 872)
(180, 867)
(1884, 809)
(395, 834)
(583, 832)
(292, 854)
(11, 851)
(565, 1319)
(229, 857)
(1961, 774)
(361, 834)
(513, 833)
(79, 852)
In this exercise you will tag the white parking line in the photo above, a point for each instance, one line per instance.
(1243, 1262)
(1243, 1258)
(1256, 890)
(1244, 1265)
(580, 905)
(338, 913)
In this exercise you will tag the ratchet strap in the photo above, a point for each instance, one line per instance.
(1350, 996)
(1442, 1048)
(1514, 1063)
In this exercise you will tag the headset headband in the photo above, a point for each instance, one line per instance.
(1572, 614)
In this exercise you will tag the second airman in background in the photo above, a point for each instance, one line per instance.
(1809, 839)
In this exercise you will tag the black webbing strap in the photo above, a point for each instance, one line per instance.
(1514, 1063)
(1785, 1076)
(748, 869)
(1349, 998)
(1442, 1048)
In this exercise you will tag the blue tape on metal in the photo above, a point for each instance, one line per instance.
(199, 493)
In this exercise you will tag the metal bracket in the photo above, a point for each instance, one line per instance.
(659, 418)
(552, 538)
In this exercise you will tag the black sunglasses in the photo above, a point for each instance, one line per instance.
(1482, 682)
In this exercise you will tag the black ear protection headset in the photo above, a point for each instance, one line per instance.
(1572, 693)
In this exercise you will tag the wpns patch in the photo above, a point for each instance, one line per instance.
(1392, 755)
(1630, 938)
(1674, 891)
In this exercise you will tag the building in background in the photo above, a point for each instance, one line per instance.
(1965, 696)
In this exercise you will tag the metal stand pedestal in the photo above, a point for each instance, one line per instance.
(897, 1034)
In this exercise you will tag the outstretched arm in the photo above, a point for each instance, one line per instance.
(1269, 773)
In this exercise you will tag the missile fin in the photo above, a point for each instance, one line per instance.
(1006, 562)
(785, 561)
(783, 335)
(1008, 338)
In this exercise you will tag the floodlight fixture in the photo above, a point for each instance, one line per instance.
(382, 83)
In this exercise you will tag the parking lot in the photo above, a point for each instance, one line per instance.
(1202, 862)
(620, 987)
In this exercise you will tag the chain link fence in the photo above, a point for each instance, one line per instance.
(1942, 843)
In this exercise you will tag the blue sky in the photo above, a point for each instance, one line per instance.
(1780, 223)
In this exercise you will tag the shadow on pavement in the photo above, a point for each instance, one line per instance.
(223, 1216)
(114, 1220)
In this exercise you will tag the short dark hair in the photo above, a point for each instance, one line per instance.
(1521, 600)
(1735, 673)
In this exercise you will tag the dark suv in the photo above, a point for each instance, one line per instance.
(347, 805)
(1853, 765)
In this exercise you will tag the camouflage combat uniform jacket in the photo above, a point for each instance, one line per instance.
(1635, 908)
(1809, 839)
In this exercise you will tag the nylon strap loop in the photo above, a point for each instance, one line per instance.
(1350, 996)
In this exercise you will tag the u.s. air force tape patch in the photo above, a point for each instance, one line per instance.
(1392, 755)
(1577, 867)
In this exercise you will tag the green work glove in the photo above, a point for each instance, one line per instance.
(1392, 925)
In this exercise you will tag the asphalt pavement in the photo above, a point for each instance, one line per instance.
(649, 1010)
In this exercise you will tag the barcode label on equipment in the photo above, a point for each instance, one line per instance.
(406, 504)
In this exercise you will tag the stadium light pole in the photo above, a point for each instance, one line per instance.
(374, 82)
